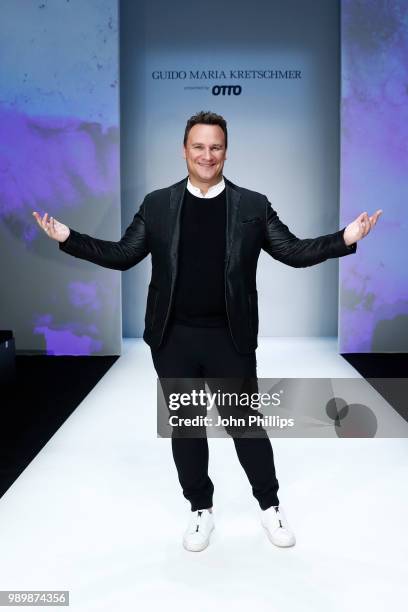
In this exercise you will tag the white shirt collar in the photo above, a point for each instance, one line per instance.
(212, 192)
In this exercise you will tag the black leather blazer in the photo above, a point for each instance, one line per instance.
(252, 225)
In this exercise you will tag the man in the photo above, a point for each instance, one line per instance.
(204, 235)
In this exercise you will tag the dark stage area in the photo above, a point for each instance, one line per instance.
(387, 373)
(47, 390)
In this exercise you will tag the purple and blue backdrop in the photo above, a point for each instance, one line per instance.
(373, 315)
(59, 152)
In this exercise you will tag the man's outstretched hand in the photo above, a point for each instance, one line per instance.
(360, 227)
(53, 228)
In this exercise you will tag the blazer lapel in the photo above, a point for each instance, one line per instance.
(176, 202)
(232, 199)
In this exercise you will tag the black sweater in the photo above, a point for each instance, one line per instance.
(200, 294)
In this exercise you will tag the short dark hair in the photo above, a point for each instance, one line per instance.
(208, 118)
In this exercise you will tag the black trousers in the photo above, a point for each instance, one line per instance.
(198, 352)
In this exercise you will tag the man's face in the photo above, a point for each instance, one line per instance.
(205, 153)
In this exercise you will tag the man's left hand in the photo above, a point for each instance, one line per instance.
(360, 227)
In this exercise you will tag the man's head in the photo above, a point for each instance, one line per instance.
(205, 147)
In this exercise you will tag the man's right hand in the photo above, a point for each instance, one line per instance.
(53, 228)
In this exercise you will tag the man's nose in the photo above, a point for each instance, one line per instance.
(207, 153)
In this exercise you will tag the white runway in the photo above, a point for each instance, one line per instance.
(99, 511)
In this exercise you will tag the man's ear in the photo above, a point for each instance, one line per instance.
(184, 152)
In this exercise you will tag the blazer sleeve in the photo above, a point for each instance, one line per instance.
(122, 255)
(284, 246)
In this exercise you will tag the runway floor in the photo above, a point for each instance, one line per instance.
(99, 511)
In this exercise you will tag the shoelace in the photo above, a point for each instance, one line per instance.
(278, 516)
(196, 521)
(199, 515)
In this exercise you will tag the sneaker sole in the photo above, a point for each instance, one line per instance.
(275, 543)
(198, 548)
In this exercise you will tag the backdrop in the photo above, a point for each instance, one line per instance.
(374, 161)
(272, 69)
(59, 152)
(282, 57)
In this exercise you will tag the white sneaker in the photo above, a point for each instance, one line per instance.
(277, 527)
(197, 534)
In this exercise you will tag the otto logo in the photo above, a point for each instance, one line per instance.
(226, 90)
